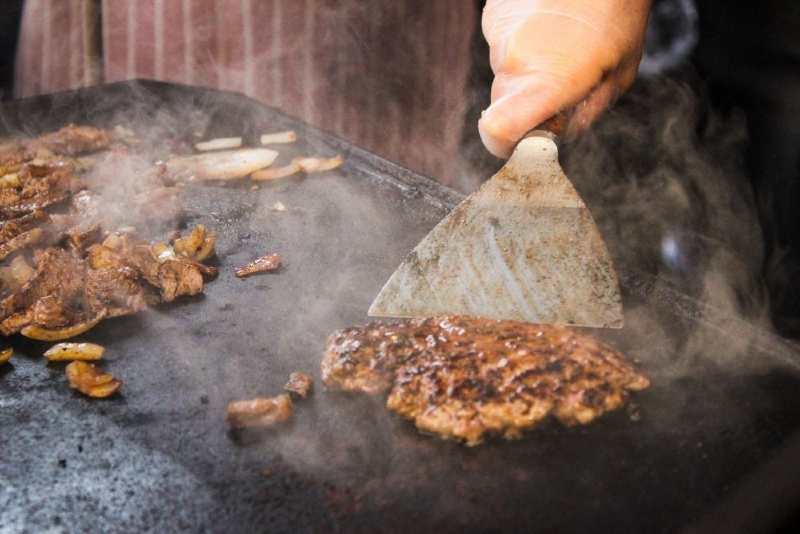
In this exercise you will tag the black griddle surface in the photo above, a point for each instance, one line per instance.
(159, 457)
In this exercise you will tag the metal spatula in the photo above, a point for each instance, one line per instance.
(524, 246)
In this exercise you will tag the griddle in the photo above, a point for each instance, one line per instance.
(696, 451)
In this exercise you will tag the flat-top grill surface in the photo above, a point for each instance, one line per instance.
(159, 457)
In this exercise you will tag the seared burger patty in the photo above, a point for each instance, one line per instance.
(464, 378)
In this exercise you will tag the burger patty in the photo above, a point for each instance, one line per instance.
(465, 378)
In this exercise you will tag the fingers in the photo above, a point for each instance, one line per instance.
(501, 19)
(522, 102)
(592, 107)
(548, 55)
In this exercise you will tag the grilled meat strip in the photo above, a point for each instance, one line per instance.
(465, 378)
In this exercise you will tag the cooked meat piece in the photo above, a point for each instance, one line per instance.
(41, 202)
(174, 277)
(58, 272)
(465, 378)
(259, 412)
(299, 384)
(84, 235)
(177, 278)
(12, 155)
(76, 281)
(72, 140)
(16, 274)
(119, 290)
(264, 264)
(41, 187)
(50, 312)
(20, 242)
(16, 322)
(14, 227)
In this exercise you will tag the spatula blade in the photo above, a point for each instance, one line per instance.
(524, 247)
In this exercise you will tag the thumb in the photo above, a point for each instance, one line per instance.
(519, 103)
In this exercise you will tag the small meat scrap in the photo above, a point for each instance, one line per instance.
(87, 379)
(259, 412)
(299, 384)
(264, 264)
(5, 355)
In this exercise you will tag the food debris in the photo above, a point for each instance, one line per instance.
(259, 412)
(278, 206)
(87, 379)
(5, 355)
(279, 138)
(264, 264)
(74, 351)
(220, 143)
(299, 384)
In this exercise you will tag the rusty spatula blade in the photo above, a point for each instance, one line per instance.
(524, 246)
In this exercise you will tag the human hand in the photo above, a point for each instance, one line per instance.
(552, 55)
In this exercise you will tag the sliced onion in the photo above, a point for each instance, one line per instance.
(276, 173)
(223, 165)
(58, 334)
(10, 180)
(310, 165)
(221, 143)
(74, 351)
(278, 138)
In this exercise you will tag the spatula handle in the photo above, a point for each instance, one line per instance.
(553, 127)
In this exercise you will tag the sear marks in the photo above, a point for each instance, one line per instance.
(264, 264)
(466, 378)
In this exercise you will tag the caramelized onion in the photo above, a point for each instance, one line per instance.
(57, 334)
(74, 351)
